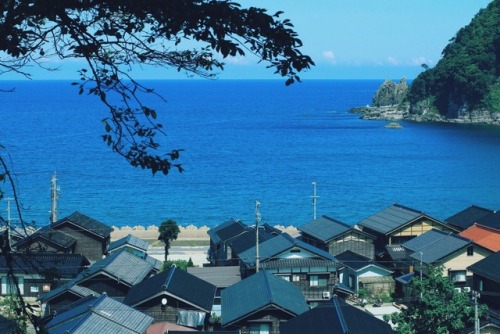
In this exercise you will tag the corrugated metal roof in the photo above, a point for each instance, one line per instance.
(99, 315)
(324, 228)
(176, 282)
(435, 245)
(131, 240)
(488, 267)
(279, 244)
(484, 236)
(390, 218)
(257, 292)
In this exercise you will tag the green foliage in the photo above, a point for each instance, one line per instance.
(437, 307)
(169, 230)
(181, 264)
(113, 37)
(11, 309)
(469, 67)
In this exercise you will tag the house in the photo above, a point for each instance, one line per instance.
(487, 237)
(313, 270)
(259, 303)
(37, 273)
(175, 296)
(454, 252)
(47, 240)
(131, 243)
(486, 280)
(63, 296)
(95, 314)
(115, 274)
(492, 220)
(467, 217)
(92, 237)
(336, 237)
(233, 237)
(335, 316)
(398, 224)
(220, 235)
(360, 272)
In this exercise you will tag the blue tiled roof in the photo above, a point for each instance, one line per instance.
(50, 235)
(488, 267)
(130, 240)
(176, 282)
(435, 245)
(258, 292)
(246, 240)
(70, 287)
(99, 315)
(324, 228)
(390, 218)
(273, 247)
(62, 265)
(491, 220)
(86, 223)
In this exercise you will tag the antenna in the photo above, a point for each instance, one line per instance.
(54, 195)
(257, 221)
(314, 199)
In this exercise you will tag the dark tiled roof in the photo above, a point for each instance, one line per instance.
(50, 235)
(488, 267)
(95, 314)
(177, 283)
(397, 252)
(246, 240)
(356, 261)
(128, 268)
(324, 228)
(61, 265)
(391, 218)
(86, 223)
(129, 240)
(335, 317)
(273, 247)
(491, 220)
(228, 227)
(468, 216)
(258, 292)
(221, 277)
(69, 287)
(435, 245)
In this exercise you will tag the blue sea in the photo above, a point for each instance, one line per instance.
(243, 141)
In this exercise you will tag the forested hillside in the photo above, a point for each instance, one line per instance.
(466, 79)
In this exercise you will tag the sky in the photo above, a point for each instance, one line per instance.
(347, 39)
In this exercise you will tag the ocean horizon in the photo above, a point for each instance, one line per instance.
(244, 141)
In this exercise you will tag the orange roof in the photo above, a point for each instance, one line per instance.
(487, 237)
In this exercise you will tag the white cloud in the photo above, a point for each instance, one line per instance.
(393, 61)
(330, 56)
(417, 61)
(238, 60)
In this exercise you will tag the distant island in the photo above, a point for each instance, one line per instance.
(464, 86)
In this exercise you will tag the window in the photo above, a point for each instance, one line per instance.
(351, 281)
(318, 280)
(286, 278)
(458, 276)
(296, 278)
(34, 289)
(46, 287)
(260, 328)
(8, 285)
(470, 251)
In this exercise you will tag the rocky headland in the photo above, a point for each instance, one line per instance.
(390, 103)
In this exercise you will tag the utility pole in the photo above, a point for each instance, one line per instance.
(421, 254)
(475, 295)
(54, 195)
(257, 221)
(314, 198)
